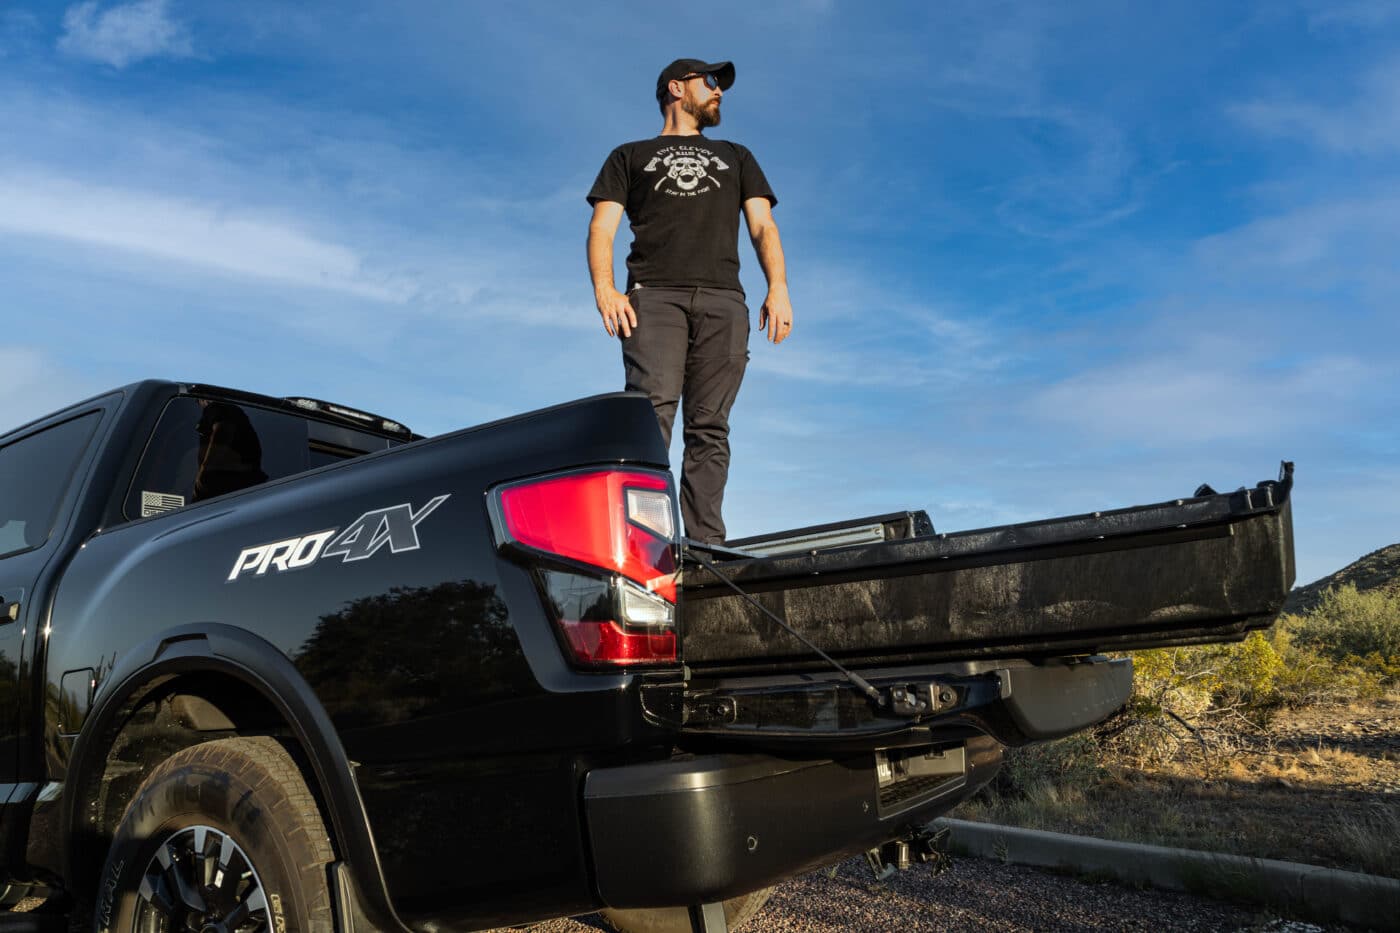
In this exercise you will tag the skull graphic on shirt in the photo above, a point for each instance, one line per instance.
(686, 167)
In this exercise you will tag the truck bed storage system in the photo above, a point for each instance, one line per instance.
(1206, 568)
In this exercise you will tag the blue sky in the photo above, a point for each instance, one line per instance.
(1044, 258)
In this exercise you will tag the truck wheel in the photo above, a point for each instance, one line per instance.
(737, 912)
(222, 836)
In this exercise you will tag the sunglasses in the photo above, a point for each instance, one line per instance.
(711, 81)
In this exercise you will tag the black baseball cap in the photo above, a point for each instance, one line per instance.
(681, 67)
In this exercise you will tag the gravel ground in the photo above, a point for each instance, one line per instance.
(974, 895)
(982, 896)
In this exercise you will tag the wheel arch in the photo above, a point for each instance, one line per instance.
(216, 666)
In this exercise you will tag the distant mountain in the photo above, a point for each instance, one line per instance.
(1378, 569)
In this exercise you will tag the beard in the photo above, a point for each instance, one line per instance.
(706, 115)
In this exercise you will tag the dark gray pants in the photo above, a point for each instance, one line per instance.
(691, 345)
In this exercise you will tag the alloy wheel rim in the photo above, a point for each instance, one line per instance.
(200, 881)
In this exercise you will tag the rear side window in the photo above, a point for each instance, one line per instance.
(203, 448)
(35, 473)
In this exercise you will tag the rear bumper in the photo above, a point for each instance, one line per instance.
(823, 714)
(701, 829)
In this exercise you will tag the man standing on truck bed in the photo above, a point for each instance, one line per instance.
(683, 322)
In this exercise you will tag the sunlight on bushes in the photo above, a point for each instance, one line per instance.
(1191, 760)
(1347, 649)
(1358, 628)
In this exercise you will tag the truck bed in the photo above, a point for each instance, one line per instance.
(1203, 569)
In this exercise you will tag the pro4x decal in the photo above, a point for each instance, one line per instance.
(396, 526)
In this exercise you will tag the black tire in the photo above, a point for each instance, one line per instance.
(737, 912)
(216, 832)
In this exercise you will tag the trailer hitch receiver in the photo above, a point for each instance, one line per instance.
(919, 846)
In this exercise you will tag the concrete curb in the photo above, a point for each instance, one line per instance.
(1324, 894)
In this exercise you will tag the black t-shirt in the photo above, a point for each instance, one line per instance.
(683, 196)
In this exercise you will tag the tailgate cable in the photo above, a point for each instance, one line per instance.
(859, 682)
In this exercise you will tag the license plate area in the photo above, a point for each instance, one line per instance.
(906, 778)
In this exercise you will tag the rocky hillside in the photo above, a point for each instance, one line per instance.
(1377, 569)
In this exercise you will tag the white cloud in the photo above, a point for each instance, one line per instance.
(825, 362)
(204, 234)
(1338, 243)
(123, 34)
(1174, 399)
(1367, 122)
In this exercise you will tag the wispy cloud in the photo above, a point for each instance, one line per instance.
(1343, 242)
(215, 236)
(1364, 122)
(124, 34)
(1156, 403)
(887, 345)
(1078, 176)
(1365, 14)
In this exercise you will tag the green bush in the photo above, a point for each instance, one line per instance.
(1207, 680)
(1348, 624)
(1347, 648)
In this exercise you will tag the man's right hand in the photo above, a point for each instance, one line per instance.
(618, 316)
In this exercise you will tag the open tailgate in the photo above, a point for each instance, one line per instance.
(1204, 569)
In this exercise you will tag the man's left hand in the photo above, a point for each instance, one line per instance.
(776, 315)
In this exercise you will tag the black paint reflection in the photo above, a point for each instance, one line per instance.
(431, 693)
(413, 652)
(9, 717)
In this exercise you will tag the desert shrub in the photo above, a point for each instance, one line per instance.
(1311, 677)
(1360, 628)
(1200, 697)
(1347, 648)
(1072, 764)
(1209, 680)
(1307, 677)
(1247, 678)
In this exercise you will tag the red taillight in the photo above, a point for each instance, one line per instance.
(609, 643)
(585, 517)
(621, 522)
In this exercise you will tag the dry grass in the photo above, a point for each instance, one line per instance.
(1321, 786)
(1284, 745)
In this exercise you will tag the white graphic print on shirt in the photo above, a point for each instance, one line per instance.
(687, 169)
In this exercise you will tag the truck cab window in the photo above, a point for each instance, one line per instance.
(208, 447)
(203, 448)
(35, 472)
(230, 455)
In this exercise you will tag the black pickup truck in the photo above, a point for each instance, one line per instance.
(276, 664)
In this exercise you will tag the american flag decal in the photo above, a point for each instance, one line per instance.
(153, 503)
